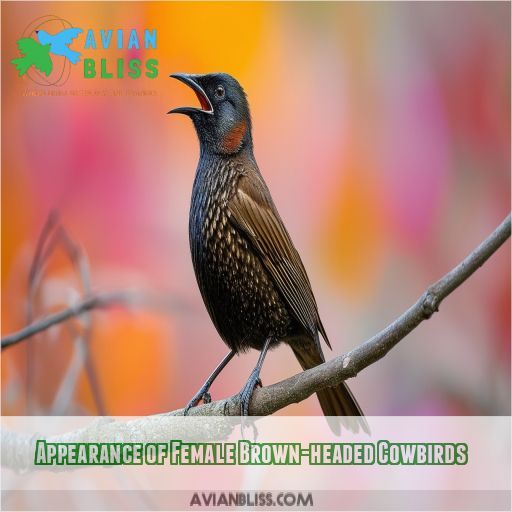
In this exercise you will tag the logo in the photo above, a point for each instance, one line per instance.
(49, 48)
(45, 48)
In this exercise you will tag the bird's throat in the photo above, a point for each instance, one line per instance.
(232, 141)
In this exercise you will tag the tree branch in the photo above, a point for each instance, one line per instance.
(17, 449)
(89, 303)
(96, 301)
(270, 399)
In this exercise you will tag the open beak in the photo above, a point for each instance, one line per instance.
(191, 81)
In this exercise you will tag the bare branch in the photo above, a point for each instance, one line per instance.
(270, 399)
(17, 449)
(98, 301)
(89, 303)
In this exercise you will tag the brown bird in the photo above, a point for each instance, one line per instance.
(250, 274)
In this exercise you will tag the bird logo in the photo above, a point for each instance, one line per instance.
(37, 52)
(59, 42)
(34, 54)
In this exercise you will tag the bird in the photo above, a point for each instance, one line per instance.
(250, 275)
(34, 54)
(59, 42)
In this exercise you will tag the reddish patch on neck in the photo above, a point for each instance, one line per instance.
(233, 139)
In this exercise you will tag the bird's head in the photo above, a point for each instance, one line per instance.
(43, 36)
(223, 123)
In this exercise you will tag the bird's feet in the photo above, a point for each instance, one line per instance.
(247, 390)
(203, 395)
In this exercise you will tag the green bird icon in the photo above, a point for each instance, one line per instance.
(34, 54)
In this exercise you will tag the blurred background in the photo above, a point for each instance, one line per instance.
(383, 132)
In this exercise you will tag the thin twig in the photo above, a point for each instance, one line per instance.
(85, 305)
(40, 257)
(79, 260)
(100, 301)
(53, 235)
(46, 238)
(66, 390)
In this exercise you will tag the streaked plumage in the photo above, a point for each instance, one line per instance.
(250, 274)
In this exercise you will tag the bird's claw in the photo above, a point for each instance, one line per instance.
(203, 395)
(247, 391)
(188, 407)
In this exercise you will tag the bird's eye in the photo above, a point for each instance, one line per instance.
(219, 92)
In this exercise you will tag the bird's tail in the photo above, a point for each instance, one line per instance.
(22, 64)
(335, 401)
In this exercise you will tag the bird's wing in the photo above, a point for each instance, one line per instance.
(28, 46)
(67, 35)
(253, 210)
(42, 60)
